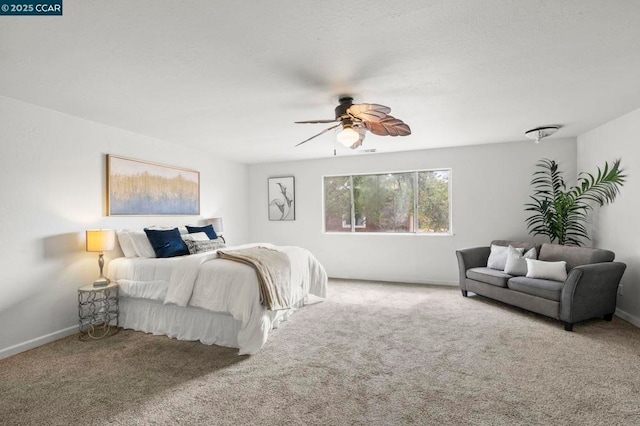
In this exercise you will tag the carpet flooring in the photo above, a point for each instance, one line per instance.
(371, 354)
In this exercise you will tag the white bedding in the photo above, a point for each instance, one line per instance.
(218, 285)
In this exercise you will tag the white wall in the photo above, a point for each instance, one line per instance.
(490, 187)
(52, 181)
(616, 226)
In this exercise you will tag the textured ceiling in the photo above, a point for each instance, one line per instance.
(232, 77)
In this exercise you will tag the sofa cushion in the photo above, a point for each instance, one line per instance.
(489, 276)
(546, 289)
(574, 256)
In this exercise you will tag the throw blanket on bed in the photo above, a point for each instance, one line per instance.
(274, 274)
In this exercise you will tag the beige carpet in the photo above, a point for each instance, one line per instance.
(372, 353)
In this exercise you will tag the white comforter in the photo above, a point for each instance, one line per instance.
(218, 285)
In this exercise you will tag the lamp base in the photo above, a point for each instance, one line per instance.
(101, 282)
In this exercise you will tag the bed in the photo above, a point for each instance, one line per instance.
(210, 299)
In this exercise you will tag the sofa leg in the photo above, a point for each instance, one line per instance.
(464, 293)
(568, 326)
(608, 317)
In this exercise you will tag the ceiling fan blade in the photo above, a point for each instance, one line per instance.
(321, 133)
(388, 126)
(316, 121)
(368, 112)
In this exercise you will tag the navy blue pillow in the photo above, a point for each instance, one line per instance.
(167, 243)
(211, 233)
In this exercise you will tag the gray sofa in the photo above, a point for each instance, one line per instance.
(588, 292)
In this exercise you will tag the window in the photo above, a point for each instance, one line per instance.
(402, 202)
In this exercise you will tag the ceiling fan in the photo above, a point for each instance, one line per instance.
(356, 119)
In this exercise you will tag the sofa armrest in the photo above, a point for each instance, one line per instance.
(471, 258)
(590, 291)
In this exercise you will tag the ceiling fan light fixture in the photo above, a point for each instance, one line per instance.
(347, 136)
(541, 132)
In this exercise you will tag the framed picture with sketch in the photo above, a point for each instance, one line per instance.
(282, 198)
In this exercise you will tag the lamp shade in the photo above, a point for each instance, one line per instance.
(216, 222)
(348, 136)
(101, 240)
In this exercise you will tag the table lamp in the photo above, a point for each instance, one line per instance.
(216, 222)
(101, 240)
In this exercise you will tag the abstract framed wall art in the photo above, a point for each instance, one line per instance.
(141, 188)
(282, 198)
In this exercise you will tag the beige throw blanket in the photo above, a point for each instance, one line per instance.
(274, 274)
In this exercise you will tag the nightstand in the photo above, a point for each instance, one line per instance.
(98, 311)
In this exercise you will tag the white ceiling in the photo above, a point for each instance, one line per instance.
(231, 77)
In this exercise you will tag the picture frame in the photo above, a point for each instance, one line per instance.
(281, 198)
(142, 188)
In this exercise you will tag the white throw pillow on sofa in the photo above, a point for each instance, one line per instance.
(556, 271)
(498, 257)
(516, 263)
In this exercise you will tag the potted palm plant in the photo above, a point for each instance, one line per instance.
(561, 213)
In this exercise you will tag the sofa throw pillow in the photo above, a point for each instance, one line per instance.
(211, 233)
(516, 263)
(196, 247)
(498, 257)
(141, 244)
(556, 271)
(167, 243)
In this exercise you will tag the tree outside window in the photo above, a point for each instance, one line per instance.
(433, 201)
(337, 204)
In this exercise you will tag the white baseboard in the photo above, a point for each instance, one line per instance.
(430, 282)
(628, 317)
(38, 341)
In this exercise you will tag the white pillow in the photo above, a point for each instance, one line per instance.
(498, 257)
(556, 271)
(181, 229)
(126, 244)
(516, 263)
(141, 243)
(196, 236)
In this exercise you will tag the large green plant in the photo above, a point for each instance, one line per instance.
(561, 213)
